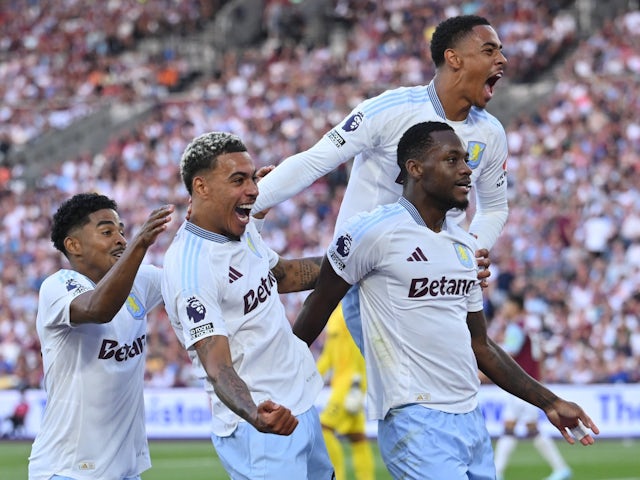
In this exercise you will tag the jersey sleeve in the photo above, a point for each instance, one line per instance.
(491, 194)
(475, 302)
(150, 279)
(344, 141)
(56, 294)
(354, 253)
(199, 310)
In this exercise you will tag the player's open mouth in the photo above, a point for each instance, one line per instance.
(244, 212)
(118, 253)
(490, 83)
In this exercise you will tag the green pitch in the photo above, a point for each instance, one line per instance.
(196, 460)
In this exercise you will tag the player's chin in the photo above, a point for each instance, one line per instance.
(238, 228)
(460, 203)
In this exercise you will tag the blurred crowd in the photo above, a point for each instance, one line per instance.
(62, 59)
(572, 241)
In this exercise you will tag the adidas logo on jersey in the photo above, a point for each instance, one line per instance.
(234, 274)
(417, 256)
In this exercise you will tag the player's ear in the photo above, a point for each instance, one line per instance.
(452, 58)
(199, 186)
(72, 245)
(414, 168)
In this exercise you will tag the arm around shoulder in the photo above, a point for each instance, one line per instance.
(317, 308)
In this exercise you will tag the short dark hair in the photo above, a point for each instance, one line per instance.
(449, 32)
(74, 213)
(415, 141)
(203, 152)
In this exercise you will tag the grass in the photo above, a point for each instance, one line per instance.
(196, 460)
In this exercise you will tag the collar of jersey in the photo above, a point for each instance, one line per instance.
(433, 96)
(206, 234)
(413, 211)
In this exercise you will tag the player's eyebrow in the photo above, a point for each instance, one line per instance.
(492, 45)
(109, 222)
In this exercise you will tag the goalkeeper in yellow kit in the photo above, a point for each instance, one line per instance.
(344, 413)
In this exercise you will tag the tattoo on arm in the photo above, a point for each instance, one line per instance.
(308, 272)
(229, 387)
(298, 275)
(234, 393)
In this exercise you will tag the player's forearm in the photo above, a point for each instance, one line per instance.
(234, 393)
(487, 226)
(503, 370)
(295, 174)
(101, 304)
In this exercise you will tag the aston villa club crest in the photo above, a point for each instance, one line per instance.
(135, 307)
(475, 151)
(464, 255)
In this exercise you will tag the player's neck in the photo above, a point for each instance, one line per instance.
(449, 89)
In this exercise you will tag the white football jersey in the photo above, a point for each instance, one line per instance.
(370, 134)
(213, 285)
(94, 420)
(416, 288)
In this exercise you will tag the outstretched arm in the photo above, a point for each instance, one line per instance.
(296, 173)
(317, 308)
(503, 370)
(268, 417)
(102, 303)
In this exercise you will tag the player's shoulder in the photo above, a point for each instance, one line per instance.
(65, 279)
(148, 273)
(486, 119)
(395, 99)
(376, 221)
(463, 236)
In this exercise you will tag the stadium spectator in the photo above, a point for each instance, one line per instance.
(18, 417)
(343, 415)
(425, 340)
(67, 61)
(467, 54)
(220, 285)
(522, 342)
(92, 324)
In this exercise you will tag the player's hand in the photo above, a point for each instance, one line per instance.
(274, 418)
(155, 224)
(264, 171)
(482, 257)
(260, 174)
(572, 422)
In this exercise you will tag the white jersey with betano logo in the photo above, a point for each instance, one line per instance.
(94, 420)
(213, 285)
(416, 288)
(370, 135)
